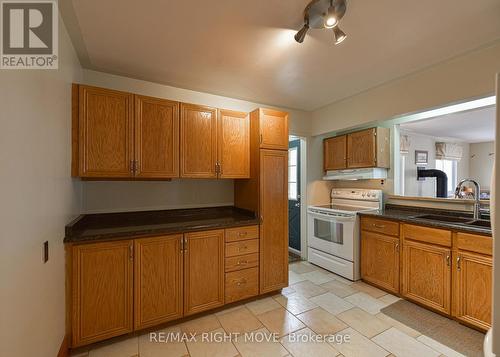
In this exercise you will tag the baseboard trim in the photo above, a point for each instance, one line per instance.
(64, 349)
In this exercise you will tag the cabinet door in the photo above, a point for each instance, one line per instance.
(106, 130)
(380, 260)
(427, 275)
(335, 153)
(473, 289)
(156, 138)
(158, 280)
(273, 129)
(203, 271)
(198, 141)
(274, 214)
(233, 141)
(102, 291)
(361, 149)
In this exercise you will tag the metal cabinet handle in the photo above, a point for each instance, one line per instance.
(448, 262)
(242, 234)
(397, 247)
(378, 225)
(458, 263)
(240, 282)
(131, 251)
(240, 262)
(185, 245)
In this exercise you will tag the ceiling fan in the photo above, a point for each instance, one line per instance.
(323, 14)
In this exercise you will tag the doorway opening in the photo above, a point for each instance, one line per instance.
(296, 196)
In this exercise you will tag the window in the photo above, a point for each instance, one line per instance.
(292, 174)
(450, 169)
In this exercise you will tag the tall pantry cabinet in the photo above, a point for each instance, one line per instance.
(266, 192)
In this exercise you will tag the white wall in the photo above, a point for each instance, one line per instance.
(462, 78)
(38, 198)
(481, 163)
(127, 196)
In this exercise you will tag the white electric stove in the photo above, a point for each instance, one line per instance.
(333, 230)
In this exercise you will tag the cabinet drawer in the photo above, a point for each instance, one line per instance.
(242, 262)
(241, 248)
(242, 284)
(427, 235)
(242, 233)
(475, 243)
(380, 226)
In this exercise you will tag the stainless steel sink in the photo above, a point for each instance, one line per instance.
(450, 219)
(469, 221)
(480, 223)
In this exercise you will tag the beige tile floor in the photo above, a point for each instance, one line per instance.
(317, 303)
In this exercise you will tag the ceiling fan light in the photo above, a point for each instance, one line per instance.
(301, 34)
(338, 35)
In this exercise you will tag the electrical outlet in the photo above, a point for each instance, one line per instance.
(45, 256)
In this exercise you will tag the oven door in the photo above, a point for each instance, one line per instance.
(332, 234)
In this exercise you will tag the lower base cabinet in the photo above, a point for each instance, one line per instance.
(427, 275)
(118, 287)
(102, 296)
(473, 288)
(158, 272)
(203, 271)
(380, 260)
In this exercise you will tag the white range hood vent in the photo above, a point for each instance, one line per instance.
(356, 174)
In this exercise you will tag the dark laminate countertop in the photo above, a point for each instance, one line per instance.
(407, 214)
(115, 226)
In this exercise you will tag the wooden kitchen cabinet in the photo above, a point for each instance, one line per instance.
(233, 144)
(158, 280)
(273, 129)
(103, 131)
(380, 260)
(203, 271)
(274, 225)
(473, 289)
(198, 143)
(335, 153)
(368, 148)
(102, 291)
(156, 138)
(427, 275)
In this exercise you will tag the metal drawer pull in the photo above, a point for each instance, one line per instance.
(240, 282)
(378, 225)
(397, 246)
(242, 234)
(240, 262)
(243, 248)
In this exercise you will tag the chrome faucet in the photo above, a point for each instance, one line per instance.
(477, 194)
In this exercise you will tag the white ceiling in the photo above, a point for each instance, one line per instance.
(474, 126)
(246, 50)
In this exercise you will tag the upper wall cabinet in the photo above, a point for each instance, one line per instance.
(198, 141)
(362, 149)
(156, 138)
(335, 153)
(105, 132)
(233, 138)
(273, 127)
(118, 135)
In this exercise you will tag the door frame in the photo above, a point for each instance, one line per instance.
(303, 197)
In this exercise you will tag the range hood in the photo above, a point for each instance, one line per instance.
(356, 174)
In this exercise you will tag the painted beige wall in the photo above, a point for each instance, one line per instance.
(481, 162)
(38, 198)
(464, 77)
(127, 196)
